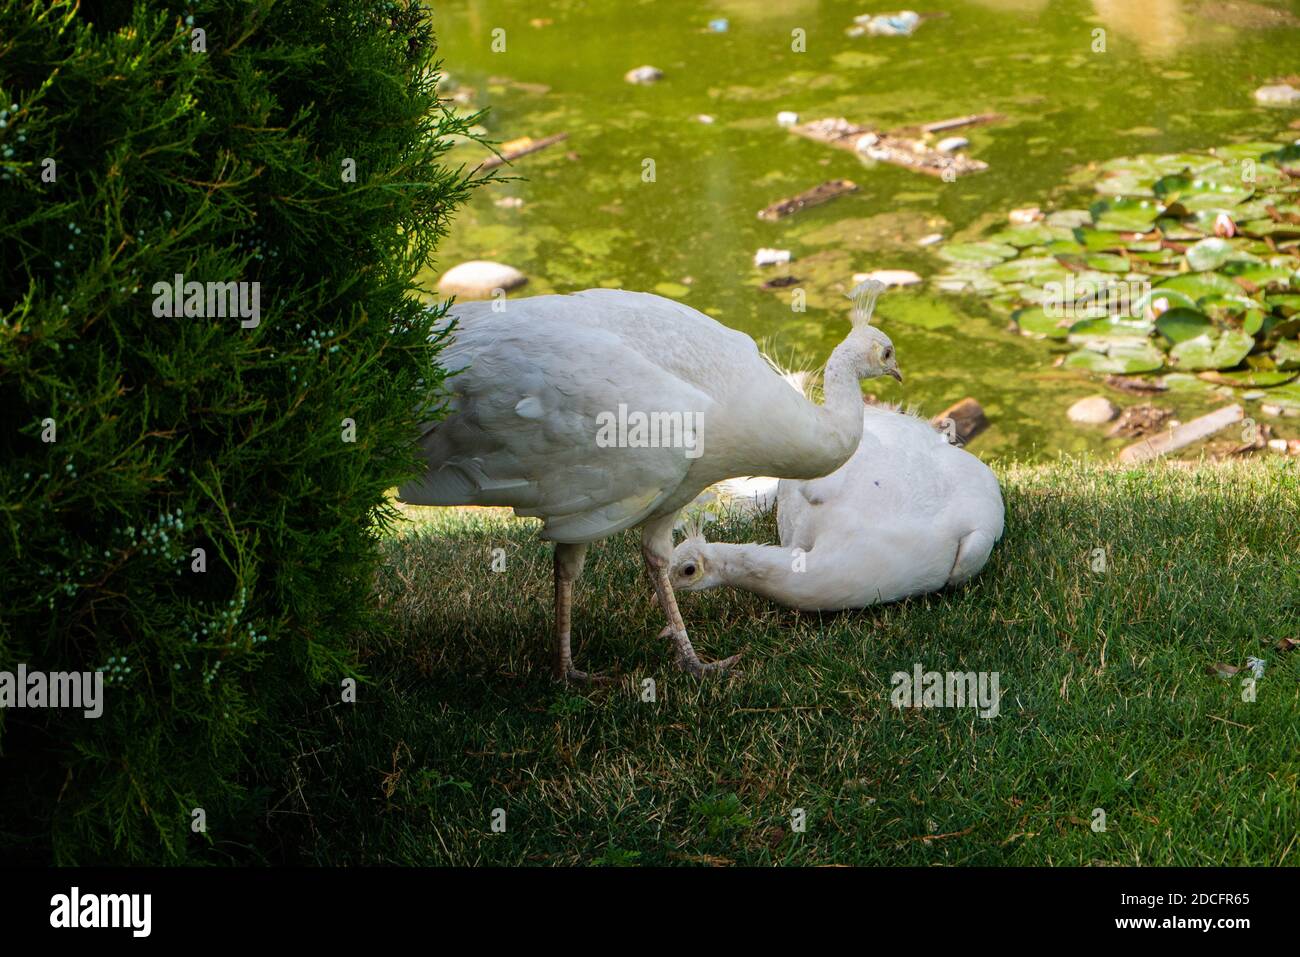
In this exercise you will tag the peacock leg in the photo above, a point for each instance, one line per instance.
(656, 548)
(568, 566)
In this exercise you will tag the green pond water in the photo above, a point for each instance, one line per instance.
(1175, 75)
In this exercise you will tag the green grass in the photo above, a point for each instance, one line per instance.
(1106, 700)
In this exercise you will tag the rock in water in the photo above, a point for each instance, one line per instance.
(1281, 94)
(1094, 410)
(890, 277)
(479, 279)
(644, 75)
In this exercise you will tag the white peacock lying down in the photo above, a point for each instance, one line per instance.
(907, 514)
(544, 378)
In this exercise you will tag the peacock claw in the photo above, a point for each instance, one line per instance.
(701, 668)
(575, 677)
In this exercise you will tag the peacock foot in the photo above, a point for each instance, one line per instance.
(572, 676)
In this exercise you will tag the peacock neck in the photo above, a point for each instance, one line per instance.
(780, 574)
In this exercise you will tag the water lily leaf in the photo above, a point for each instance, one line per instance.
(1209, 253)
(1039, 324)
(1257, 272)
(1179, 325)
(1285, 396)
(1185, 382)
(1108, 328)
(1287, 303)
(1200, 285)
(1249, 378)
(1241, 151)
(1124, 214)
(1069, 218)
(1107, 262)
(1098, 240)
(1172, 299)
(1034, 269)
(1286, 157)
(1119, 358)
(1221, 306)
(1211, 351)
(1155, 256)
(1193, 194)
(1033, 234)
(1175, 229)
(980, 254)
(1125, 183)
(1287, 354)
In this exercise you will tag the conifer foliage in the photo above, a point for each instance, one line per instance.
(213, 361)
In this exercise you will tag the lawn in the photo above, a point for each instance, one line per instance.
(1106, 699)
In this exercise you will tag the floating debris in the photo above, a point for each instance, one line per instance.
(1023, 217)
(1183, 435)
(900, 24)
(644, 75)
(808, 199)
(952, 144)
(508, 202)
(780, 282)
(1280, 94)
(913, 154)
(930, 240)
(787, 118)
(771, 257)
(890, 277)
(512, 150)
(719, 25)
(1139, 420)
(705, 119)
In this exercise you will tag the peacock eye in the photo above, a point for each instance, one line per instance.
(689, 569)
(888, 353)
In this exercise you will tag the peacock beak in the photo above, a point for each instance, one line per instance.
(895, 373)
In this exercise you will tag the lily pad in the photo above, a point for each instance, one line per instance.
(1210, 351)
(1209, 254)
(1200, 285)
(1034, 269)
(1195, 193)
(1249, 378)
(1034, 234)
(1118, 359)
(979, 254)
(1179, 325)
(1287, 354)
(1109, 329)
(1124, 214)
(1107, 262)
(1039, 324)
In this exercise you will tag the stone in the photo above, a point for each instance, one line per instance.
(644, 75)
(1094, 410)
(771, 257)
(1281, 94)
(890, 277)
(479, 279)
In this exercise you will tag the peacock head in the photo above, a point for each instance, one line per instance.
(693, 566)
(872, 350)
